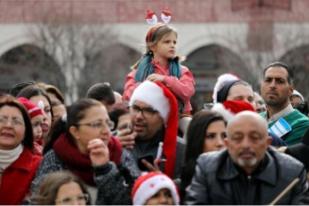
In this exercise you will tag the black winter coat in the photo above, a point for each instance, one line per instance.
(219, 181)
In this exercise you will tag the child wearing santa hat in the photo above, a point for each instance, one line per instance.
(37, 117)
(154, 188)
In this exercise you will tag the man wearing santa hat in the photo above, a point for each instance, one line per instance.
(154, 113)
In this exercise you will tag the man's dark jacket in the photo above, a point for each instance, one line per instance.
(218, 180)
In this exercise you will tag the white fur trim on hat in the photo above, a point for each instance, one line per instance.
(221, 81)
(297, 93)
(227, 114)
(151, 186)
(152, 94)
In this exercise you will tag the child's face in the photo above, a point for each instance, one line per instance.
(37, 122)
(163, 197)
(165, 47)
(71, 194)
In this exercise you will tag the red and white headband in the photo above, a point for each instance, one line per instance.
(152, 19)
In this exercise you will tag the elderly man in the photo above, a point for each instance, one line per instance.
(154, 114)
(283, 121)
(248, 172)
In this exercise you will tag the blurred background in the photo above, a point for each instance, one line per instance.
(76, 43)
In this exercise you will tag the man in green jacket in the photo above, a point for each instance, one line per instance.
(284, 122)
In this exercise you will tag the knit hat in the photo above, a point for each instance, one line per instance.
(298, 94)
(32, 109)
(222, 87)
(158, 96)
(149, 184)
(229, 108)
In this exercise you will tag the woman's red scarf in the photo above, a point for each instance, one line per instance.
(80, 164)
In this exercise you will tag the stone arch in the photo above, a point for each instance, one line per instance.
(13, 42)
(298, 59)
(111, 64)
(190, 45)
(28, 62)
(207, 63)
(132, 42)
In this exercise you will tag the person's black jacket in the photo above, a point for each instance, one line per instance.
(219, 181)
(300, 151)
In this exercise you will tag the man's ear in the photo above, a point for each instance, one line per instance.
(74, 132)
(269, 140)
(291, 88)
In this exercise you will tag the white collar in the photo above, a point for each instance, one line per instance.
(287, 110)
(7, 157)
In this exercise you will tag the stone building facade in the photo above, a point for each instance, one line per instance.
(215, 36)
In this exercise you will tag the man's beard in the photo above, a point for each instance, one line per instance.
(275, 102)
(246, 163)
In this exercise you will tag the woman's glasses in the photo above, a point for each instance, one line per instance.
(99, 124)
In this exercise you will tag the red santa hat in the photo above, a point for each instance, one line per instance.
(160, 98)
(33, 110)
(148, 184)
(229, 108)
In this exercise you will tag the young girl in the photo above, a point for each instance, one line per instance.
(62, 188)
(160, 63)
(37, 118)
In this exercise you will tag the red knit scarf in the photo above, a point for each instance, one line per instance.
(80, 164)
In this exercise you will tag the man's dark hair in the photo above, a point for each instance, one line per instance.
(283, 65)
(101, 92)
(18, 87)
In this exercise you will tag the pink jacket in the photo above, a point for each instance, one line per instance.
(183, 87)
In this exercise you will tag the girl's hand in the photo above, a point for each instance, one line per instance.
(98, 152)
(155, 77)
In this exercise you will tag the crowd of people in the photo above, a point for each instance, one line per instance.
(147, 147)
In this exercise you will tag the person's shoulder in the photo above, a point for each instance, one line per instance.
(51, 157)
(212, 160)
(27, 160)
(30, 155)
(297, 115)
(184, 68)
(263, 114)
(287, 162)
(50, 153)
